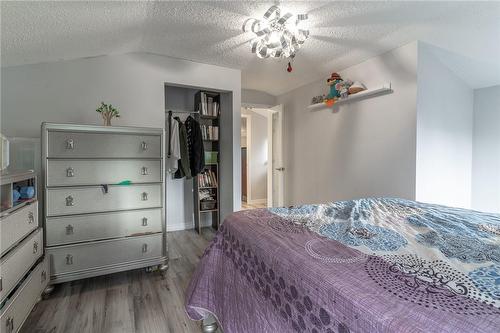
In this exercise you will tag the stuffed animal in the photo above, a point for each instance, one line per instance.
(356, 87)
(343, 88)
(332, 81)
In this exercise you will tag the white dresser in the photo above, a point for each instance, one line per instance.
(104, 198)
(23, 272)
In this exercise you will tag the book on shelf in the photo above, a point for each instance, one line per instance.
(207, 179)
(209, 132)
(208, 105)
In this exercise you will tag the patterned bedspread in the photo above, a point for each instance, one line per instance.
(368, 265)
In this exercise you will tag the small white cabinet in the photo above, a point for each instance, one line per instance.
(23, 272)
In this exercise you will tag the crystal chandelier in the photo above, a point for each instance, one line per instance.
(276, 35)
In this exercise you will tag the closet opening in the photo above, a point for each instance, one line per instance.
(262, 170)
(196, 187)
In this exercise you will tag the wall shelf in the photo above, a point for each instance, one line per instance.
(384, 89)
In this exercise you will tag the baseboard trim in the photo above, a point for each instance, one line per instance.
(179, 226)
(257, 201)
(184, 226)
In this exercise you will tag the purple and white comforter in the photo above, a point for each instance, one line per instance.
(368, 265)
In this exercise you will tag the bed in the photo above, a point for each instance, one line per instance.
(368, 265)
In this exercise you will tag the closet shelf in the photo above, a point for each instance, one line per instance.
(203, 116)
(384, 89)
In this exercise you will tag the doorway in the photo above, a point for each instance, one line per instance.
(262, 170)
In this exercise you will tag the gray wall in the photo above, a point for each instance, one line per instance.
(363, 148)
(444, 132)
(257, 98)
(69, 92)
(486, 151)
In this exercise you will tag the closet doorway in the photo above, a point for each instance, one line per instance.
(262, 169)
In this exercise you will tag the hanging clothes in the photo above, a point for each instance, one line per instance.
(195, 146)
(183, 163)
(174, 149)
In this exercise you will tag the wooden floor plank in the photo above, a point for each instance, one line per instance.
(127, 302)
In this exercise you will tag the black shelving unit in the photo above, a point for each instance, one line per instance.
(207, 116)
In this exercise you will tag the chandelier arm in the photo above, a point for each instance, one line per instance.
(301, 17)
(271, 10)
(262, 32)
(244, 27)
(284, 18)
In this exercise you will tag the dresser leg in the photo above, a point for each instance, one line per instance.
(48, 290)
(163, 268)
(209, 327)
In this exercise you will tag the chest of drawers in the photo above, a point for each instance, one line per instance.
(23, 273)
(104, 198)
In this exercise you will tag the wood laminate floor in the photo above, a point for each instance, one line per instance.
(134, 301)
(245, 205)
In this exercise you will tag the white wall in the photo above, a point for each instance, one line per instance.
(486, 150)
(364, 148)
(257, 155)
(69, 91)
(257, 98)
(444, 133)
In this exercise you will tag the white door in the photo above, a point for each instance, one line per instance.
(278, 167)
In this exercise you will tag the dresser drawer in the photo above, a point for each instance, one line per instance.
(80, 228)
(19, 306)
(18, 261)
(88, 256)
(102, 145)
(94, 172)
(94, 199)
(17, 225)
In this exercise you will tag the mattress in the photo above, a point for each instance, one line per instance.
(368, 265)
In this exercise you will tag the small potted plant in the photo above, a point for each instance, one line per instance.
(108, 112)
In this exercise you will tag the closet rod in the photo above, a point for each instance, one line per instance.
(169, 153)
(181, 111)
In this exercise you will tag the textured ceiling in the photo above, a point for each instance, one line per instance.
(342, 34)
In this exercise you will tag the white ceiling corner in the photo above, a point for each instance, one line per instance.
(342, 34)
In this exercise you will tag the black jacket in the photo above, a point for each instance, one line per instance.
(184, 169)
(195, 146)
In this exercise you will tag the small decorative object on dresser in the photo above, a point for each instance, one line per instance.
(107, 221)
(108, 112)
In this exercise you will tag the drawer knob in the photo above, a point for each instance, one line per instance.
(144, 171)
(144, 248)
(144, 221)
(43, 276)
(70, 144)
(70, 201)
(9, 325)
(31, 217)
(69, 259)
(70, 172)
(69, 229)
(144, 145)
(144, 196)
(35, 247)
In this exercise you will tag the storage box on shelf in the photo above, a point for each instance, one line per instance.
(23, 272)
(104, 207)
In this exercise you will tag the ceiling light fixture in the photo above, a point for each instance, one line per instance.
(277, 36)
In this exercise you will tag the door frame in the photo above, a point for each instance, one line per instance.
(268, 112)
(248, 145)
(277, 109)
